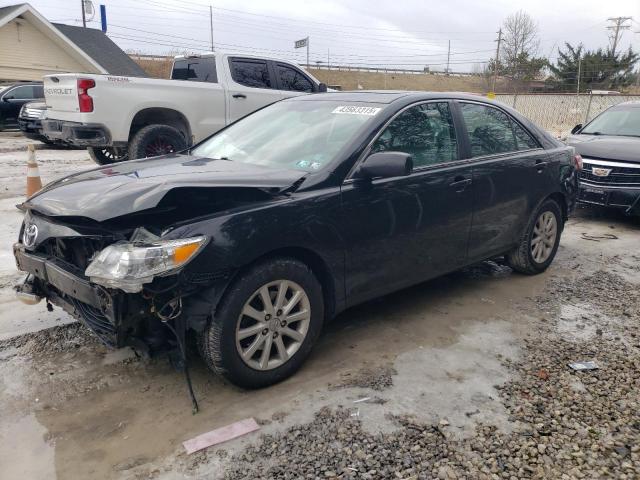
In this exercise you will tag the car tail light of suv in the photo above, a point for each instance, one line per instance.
(85, 102)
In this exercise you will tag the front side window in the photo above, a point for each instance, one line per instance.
(489, 130)
(21, 93)
(292, 79)
(250, 73)
(425, 131)
(195, 70)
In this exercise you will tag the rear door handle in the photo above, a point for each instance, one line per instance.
(540, 165)
(460, 183)
(239, 95)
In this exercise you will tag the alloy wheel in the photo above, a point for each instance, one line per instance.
(544, 237)
(273, 324)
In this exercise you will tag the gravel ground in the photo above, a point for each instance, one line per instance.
(568, 424)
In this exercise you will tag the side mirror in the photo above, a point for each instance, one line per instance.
(7, 98)
(386, 165)
(576, 128)
(322, 87)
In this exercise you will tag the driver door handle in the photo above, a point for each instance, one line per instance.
(540, 165)
(460, 183)
(239, 95)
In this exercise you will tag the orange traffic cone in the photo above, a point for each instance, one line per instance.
(33, 175)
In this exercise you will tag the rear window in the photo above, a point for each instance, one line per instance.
(195, 70)
(250, 72)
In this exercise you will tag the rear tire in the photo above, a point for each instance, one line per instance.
(539, 242)
(225, 344)
(156, 140)
(107, 155)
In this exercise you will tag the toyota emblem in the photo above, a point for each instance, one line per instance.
(29, 235)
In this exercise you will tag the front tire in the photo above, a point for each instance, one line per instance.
(156, 140)
(266, 324)
(539, 242)
(107, 155)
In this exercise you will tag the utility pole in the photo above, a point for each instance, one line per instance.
(307, 52)
(328, 60)
(497, 61)
(84, 18)
(211, 25)
(579, 65)
(448, 56)
(617, 25)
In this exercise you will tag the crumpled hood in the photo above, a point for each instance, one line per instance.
(606, 147)
(112, 191)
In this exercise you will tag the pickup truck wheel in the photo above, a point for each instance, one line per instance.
(108, 155)
(266, 324)
(156, 140)
(539, 242)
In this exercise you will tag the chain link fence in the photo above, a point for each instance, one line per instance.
(559, 113)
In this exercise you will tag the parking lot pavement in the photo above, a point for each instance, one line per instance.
(464, 376)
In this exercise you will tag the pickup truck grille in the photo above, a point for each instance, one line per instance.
(32, 113)
(617, 175)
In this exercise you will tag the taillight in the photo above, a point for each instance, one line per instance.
(85, 102)
(577, 160)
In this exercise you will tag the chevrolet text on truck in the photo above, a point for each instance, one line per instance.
(120, 118)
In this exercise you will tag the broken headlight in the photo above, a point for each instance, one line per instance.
(128, 266)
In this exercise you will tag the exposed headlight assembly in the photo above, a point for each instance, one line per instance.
(128, 266)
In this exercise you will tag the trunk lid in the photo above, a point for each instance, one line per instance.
(61, 92)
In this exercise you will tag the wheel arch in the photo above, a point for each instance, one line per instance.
(561, 200)
(161, 116)
(311, 259)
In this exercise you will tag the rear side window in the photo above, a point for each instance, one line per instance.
(292, 79)
(250, 73)
(524, 141)
(195, 70)
(22, 93)
(425, 131)
(489, 130)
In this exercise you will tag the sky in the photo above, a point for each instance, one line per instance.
(407, 34)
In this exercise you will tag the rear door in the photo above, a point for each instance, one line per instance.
(251, 87)
(511, 175)
(404, 230)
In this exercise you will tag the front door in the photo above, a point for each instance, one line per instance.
(510, 176)
(401, 231)
(252, 87)
(13, 100)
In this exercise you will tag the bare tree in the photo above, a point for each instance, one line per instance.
(484, 73)
(520, 40)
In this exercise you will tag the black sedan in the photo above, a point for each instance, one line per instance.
(610, 149)
(257, 236)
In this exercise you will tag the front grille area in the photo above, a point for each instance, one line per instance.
(619, 176)
(74, 251)
(32, 113)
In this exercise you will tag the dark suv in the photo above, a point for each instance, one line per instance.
(610, 149)
(13, 97)
(256, 236)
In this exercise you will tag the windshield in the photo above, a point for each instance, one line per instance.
(304, 135)
(616, 121)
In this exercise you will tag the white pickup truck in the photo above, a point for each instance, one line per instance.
(121, 118)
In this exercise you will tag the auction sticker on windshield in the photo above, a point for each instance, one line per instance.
(353, 110)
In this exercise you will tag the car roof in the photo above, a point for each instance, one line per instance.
(388, 96)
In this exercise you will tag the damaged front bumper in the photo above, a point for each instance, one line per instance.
(50, 278)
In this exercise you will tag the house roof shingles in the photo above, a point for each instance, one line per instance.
(101, 49)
